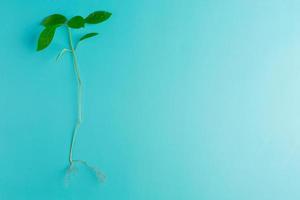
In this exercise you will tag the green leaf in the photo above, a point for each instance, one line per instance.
(97, 17)
(89, 35)
(54, 20)
(46, 37)
(76, 22)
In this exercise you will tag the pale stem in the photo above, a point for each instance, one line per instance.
(79, 97)
(97, 172)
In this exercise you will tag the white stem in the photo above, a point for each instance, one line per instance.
(97, 172)
(79, 97)
(62, 53)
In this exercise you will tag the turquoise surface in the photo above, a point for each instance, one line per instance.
(183, 99)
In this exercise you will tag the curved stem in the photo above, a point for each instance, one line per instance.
(97, 172)
(79, 97)
(62, 53)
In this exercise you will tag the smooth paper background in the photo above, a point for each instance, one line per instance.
(183, 99)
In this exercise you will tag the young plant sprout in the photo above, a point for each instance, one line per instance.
(51, 24)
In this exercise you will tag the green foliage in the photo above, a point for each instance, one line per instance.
(54, 20)
(46, 37)
(89, 35)
(76, 22)
(97, 17)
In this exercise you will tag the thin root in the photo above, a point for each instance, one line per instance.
(72, 169)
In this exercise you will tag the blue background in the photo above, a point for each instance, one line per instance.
(183, 99)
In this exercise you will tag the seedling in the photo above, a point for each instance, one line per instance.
(51, 24)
